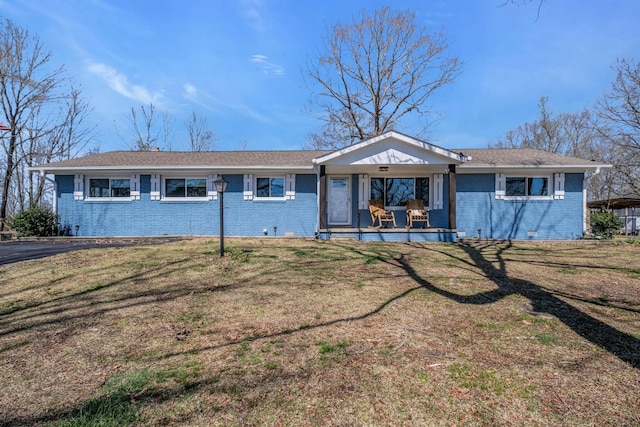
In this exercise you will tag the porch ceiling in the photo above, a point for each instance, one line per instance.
(395, 170)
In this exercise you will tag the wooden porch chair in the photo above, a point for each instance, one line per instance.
(379, 214)
(417, 212)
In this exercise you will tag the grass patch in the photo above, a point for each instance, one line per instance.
(489, 325)
(116, 406)
(632, 272)
(123, 394)
(325, 347)
(546, 338)
(306, 332)
(568, 270)
(468, 376)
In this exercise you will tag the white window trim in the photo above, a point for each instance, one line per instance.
(156, 184)
(247, 187)
(501, 187)
(364, 190)
(78, 187)
(134, 188)
(558, 186)
(212, 193)
(134, 184)
(164, 198)
(255, 188)
(290, 186)
(438, 191)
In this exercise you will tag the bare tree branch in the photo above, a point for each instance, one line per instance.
(373, 73)
(201, 137)
(28, 83)
(146, 131)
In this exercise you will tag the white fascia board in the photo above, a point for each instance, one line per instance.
(159, 169)
(466, 168)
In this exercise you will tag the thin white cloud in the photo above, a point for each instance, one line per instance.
(190, 91)
(253, 11)
(119, 83)
(220, 105)
(266, 66)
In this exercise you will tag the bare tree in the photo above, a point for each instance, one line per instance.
(27, 83)
(572, 134)
(523, 3)
(64, 136)
(621, 105)
(242, 145)
(581, 134)
(148, 129)
(620, 110)
(201, 137)
(374, 72)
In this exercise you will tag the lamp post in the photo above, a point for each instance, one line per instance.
(221, 186)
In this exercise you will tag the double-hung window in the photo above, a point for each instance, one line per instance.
(396, 191)
(109, 187)
(269, 187)
(185, 187)
(519, 186)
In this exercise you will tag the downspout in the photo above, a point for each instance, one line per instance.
(585, 181)
(54, 200)
(316, 168)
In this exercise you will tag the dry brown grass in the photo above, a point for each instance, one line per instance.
(298, 332)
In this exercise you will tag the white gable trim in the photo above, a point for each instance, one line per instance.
(447, 155)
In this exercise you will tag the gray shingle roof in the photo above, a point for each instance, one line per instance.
(520, 157)
(180, 159)
(294, 159)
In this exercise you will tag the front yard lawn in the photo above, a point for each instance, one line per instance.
(308, 333)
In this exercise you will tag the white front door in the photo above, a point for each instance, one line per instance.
(339, 205)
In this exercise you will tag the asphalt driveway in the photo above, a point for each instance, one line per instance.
(16, 251)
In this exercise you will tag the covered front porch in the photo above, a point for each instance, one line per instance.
(395, 170)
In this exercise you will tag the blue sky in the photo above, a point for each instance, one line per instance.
(240, 62)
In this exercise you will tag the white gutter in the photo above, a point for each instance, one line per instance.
(318, 210)
(157, 168)
(585, 181)
(54, 199)
(564, 168)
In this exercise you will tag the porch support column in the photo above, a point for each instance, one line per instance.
(322, 197)
(452, 197)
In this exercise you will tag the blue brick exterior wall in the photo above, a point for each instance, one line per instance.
(146, 217)
(477, 208)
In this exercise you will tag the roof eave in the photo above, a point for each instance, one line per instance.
(573, 168)
(44, 169)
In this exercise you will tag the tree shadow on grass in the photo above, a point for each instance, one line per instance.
(622, 345)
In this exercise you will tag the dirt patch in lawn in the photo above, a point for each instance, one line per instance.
(304, 332)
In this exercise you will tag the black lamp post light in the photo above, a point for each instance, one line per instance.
(221, 186)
